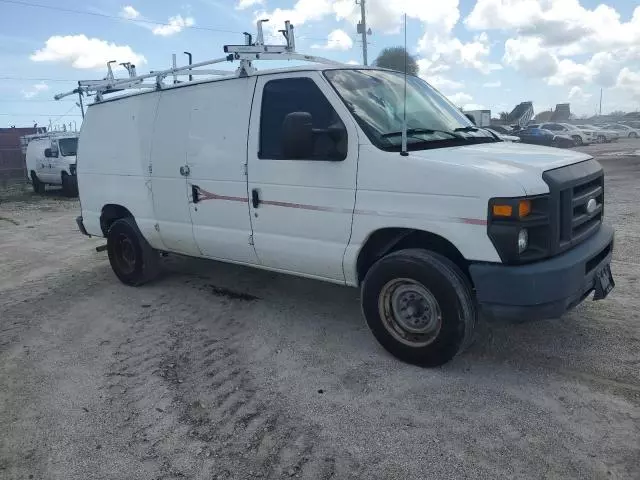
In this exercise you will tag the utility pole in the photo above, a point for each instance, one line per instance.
(601, 102)
(362, 29)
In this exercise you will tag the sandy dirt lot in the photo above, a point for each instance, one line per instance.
(218, 372)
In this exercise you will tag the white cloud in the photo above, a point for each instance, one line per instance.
(337, 40)
(460, 98)
(242, 4)
(129, 12)
(495, 84)
(175, 25)
(82, 52)
(442, 83)
(35, 90)
(447, 50)
(527, 55)
(565, 24)
(629, 82)
(353, 62)
(303, 11)
(571, 73)
(576, 94)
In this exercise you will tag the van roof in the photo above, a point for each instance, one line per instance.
(232, 76)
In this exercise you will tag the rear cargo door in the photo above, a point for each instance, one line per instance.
(170, 173)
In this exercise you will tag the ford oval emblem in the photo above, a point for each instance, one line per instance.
(591, 206)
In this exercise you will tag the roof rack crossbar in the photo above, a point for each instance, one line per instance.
(245, 54)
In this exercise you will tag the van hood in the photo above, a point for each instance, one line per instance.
(523, 163)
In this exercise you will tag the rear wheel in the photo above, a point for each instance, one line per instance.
(419, 306)
(38, 186)
(602, 139)
(68, 187)
(578, 140)
(132, 259)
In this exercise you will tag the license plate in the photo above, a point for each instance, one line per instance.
(604, 283)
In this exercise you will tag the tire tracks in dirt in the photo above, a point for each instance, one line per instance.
(192, 408)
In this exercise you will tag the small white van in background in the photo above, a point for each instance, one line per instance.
(51, 160)
(313, 171)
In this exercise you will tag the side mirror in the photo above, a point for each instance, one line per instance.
(47, 153)
(297, 136)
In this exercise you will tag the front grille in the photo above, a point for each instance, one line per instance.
(580, 222)
(572, 189)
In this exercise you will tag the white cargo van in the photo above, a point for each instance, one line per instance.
(305, 171)
(51, 160)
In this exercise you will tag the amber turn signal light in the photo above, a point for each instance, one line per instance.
(502, 210)
(524, 209)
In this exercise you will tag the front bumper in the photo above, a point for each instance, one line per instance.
(545, 289)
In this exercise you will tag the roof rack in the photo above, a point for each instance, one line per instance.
(246, 54)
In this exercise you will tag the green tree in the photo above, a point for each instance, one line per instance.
(394, 58)
(504, 116)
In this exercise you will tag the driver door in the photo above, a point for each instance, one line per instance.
(301, 209)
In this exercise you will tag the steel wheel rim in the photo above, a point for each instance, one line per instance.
(125, 254)
(410, 312)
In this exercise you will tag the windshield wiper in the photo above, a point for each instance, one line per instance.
(416, 131)
(466, 129)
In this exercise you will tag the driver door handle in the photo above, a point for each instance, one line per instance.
(255, 198)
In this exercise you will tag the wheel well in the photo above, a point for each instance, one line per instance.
(111, 213)
(388, 240)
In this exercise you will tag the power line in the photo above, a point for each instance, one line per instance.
(105, 15)
(134, 20)
(39, 79)
(41, 114)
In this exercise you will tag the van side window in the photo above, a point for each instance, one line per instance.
(326, 140)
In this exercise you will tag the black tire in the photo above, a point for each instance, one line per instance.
(68, 188)
(132, 259)
(602, 139)
(38, 186)
(578, 140)
(454, 306)
(633, 135)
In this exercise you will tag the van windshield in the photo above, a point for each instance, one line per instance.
(376, 99)
(68, 146)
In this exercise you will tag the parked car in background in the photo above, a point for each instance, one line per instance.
(503, 136)
(51, 160)
(506, 130)
(540, 136)
(602, 134)
(581, 137)
(623, 130)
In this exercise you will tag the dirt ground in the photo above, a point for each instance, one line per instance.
(218, 371)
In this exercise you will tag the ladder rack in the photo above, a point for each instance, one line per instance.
(245, 54)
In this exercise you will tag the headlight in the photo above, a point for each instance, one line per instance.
(519, 228)
(523, 240)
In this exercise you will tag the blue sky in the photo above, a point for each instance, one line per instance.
(481, 53)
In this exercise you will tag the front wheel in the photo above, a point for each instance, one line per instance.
(633, 135)
(602, 139)
(419, 306)
(38, 186)
(577, 140)
(132, 259)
